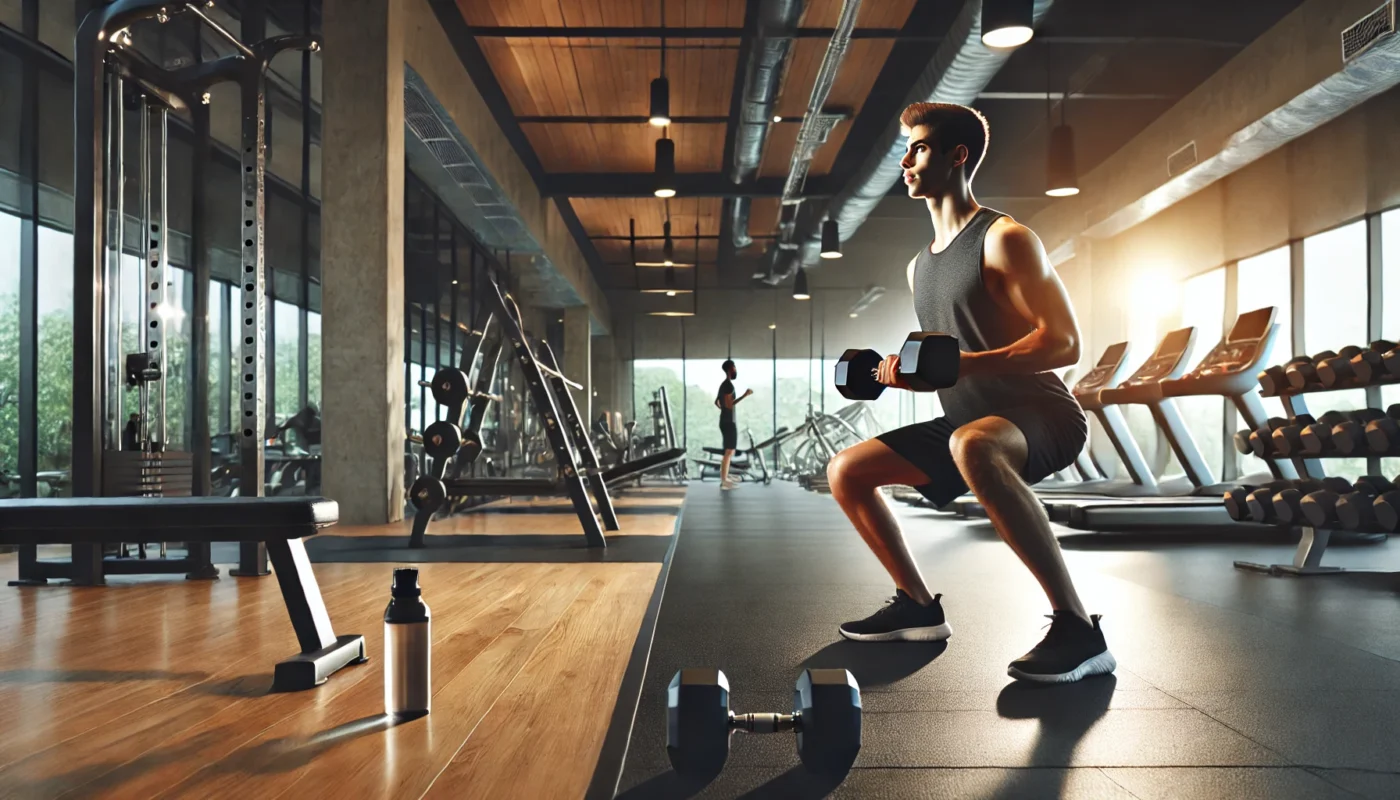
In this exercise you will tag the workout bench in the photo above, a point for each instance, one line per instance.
(280, 522)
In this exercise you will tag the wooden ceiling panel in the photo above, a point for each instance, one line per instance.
(763, 215)
(611, 13)
(623, 148)
(613, 251)
(609, 216)
(610, 77)
(872, 14)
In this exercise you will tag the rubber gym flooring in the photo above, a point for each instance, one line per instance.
(1230, 684)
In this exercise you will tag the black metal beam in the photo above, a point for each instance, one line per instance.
(688, 184)
(624, 120)
(479, 70)
(26, 395)
(672, 32)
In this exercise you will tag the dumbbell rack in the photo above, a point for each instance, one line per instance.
(1312, 545)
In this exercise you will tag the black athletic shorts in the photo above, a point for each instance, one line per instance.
(1055, 436)
(730, 432)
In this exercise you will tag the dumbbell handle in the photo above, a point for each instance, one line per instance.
(765, 723)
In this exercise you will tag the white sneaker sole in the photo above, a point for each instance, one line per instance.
(935, 633)
(1101, 664)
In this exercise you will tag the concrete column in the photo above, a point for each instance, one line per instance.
(577, 358)
(362, 236)
(605, 375)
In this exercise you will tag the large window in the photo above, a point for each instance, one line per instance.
(1334, 273)
(39, 184)
(1203, 307)
(1265, 280)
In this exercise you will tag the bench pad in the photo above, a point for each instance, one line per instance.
(65, 520)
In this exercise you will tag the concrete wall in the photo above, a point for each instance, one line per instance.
(430, 53)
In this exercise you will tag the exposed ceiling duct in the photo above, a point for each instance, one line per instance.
(1375, 69)
(763, 76)
(960, 69)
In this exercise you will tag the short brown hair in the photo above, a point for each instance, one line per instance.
(952, 125)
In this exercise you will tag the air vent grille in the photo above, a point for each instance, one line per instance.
(1367, 31)
(1181, 160)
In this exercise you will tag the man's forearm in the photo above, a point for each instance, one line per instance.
(1037, 351)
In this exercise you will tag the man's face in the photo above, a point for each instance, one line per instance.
(732, 372)
(928, 172)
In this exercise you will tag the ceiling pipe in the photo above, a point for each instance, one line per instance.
(763, 78)
(960, 69)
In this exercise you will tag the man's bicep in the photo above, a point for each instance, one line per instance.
(909, 272)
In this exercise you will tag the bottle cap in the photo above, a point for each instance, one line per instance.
(405, 583)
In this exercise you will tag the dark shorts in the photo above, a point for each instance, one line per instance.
(730, 432)
(1054, 439)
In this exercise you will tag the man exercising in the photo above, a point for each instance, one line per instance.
(1008, 421)
(725, 402)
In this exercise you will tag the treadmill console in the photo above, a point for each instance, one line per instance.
(1104, 372)
(1166, 361)
(1242, 349)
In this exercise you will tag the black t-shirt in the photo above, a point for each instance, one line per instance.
(725, 414)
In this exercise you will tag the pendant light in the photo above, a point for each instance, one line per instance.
(799, 286)
(831, 239)
(665, 171)
(1061, 173)
(1007, 23)
(660, 87)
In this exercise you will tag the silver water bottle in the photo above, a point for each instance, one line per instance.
(407, 649)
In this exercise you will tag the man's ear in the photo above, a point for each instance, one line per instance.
(960, 155)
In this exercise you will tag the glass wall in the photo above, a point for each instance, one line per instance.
(36, 242)
(1334, 275)
(1265, 280)
(1203, 307)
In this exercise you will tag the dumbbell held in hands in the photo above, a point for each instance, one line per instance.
(926, 362)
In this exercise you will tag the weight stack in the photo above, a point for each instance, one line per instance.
(136, 473)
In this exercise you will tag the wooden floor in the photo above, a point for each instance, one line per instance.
(159, 687)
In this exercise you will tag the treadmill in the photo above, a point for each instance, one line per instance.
(1229, 370)
(1168, 359)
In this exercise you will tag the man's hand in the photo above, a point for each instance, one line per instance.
(747, 392)
(888, 373)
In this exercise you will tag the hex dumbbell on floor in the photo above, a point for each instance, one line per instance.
(927, 361)
(826, 718)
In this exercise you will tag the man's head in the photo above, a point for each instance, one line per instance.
(946, 145)
(729, 371)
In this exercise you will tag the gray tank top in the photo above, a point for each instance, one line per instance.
(950, 297)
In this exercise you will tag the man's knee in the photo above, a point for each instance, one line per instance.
(978, 451)
(844, 473)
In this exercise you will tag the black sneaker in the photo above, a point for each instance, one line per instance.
(1071, 650)
(901, 620)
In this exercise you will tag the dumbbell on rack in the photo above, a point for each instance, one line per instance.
(1274, 380)
(1360, 369)
(1304, 374)
(826, 719)
(1287, 441)
(1355, 510)
(1257, 441)
(1383, 433)
(927, 361)
(1307, 505)
(1344, 438)
(1260, 501)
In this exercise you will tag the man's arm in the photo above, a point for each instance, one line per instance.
(1018, 271)
(909, 272)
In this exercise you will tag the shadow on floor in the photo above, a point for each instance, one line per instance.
(888, 663)
(1066, 713)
